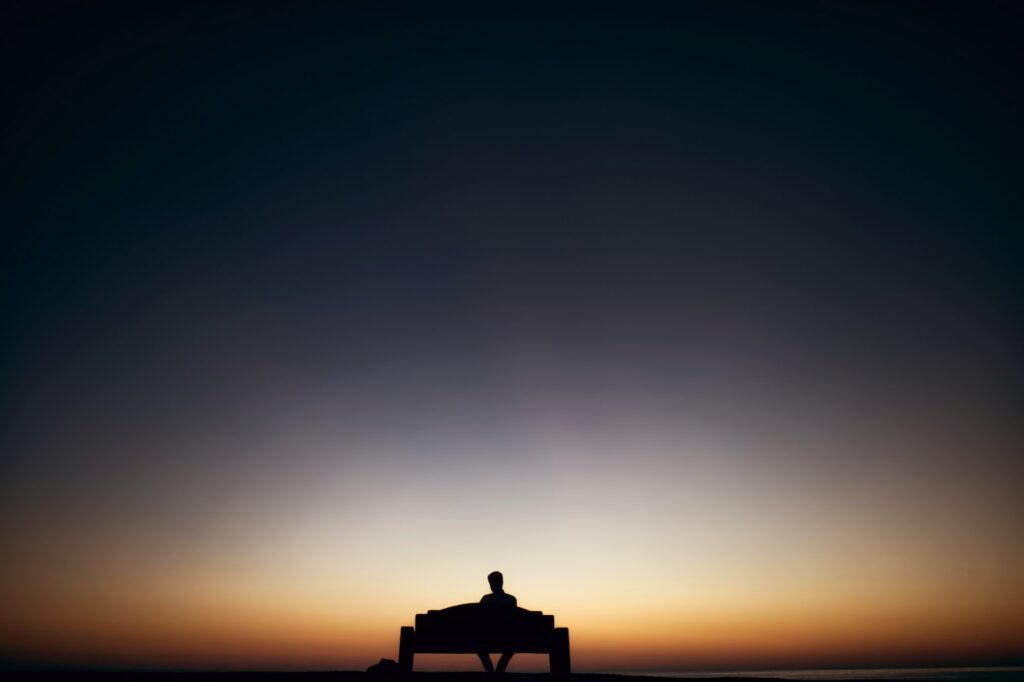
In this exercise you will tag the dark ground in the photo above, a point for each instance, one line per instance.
(353, 676)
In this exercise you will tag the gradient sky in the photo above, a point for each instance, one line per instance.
(702, 324)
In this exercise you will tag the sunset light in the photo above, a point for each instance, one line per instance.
(698, 321)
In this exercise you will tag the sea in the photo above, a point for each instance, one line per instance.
(988, 674)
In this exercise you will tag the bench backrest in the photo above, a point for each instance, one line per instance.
(480, 620)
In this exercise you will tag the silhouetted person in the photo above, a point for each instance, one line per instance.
(498, 598)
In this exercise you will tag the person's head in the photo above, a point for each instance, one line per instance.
(496, 580)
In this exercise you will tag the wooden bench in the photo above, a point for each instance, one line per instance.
(479, 628)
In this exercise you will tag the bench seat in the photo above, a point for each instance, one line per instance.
(481, 628)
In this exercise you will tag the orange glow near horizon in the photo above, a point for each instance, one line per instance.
(268, 630)
(652, 573)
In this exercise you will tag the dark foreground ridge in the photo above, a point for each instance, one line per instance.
(354, 676)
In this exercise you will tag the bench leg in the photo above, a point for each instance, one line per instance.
(406, 649)
(559, 656)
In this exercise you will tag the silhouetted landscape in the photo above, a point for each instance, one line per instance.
(351, 676)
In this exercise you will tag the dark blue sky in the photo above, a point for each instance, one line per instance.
(810, 189)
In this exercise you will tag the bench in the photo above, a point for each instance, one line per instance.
(480, 628)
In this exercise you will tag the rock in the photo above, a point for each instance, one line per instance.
(385, 666)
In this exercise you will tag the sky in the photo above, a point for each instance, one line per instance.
(701, 322)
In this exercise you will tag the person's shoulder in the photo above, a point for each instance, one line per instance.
(511, 599)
